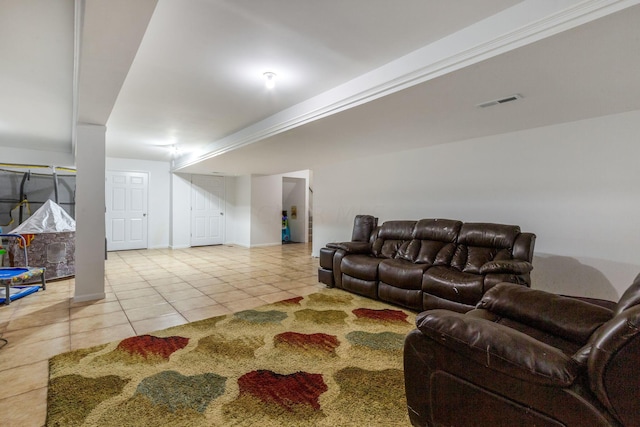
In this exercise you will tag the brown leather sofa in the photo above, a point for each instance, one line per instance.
(526, 357)
(427, 264)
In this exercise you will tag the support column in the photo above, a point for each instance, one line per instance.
(90, 212)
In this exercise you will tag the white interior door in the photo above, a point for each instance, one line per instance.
(207, 210)
(126, 215)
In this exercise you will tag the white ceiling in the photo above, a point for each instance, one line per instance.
(355, 78)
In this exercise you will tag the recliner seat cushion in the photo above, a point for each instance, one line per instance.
(361, 266)
(448, 283)
(402, 274)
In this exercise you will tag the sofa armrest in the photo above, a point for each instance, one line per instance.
(613, 365)
(565, 317)
(352, 247)
(511, 266)
(499, 347)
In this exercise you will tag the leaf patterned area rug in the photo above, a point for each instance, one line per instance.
(328, 359)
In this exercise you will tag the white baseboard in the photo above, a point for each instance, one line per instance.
(90, 297)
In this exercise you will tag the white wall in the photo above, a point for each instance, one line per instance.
(159, 202)
(266, 210)
(575, 185)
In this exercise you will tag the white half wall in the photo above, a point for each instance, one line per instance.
(159, 202)
(180, 211)
(266, 210)
(90, 208)
(239, 211)
(575, 185)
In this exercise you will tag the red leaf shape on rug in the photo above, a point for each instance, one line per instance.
(146, 345)
(324, 342)
(283, 390)
(384, 314)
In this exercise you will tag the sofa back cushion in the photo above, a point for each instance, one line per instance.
(479, 243)
(363, 226)
(434, 241)
(393, 240)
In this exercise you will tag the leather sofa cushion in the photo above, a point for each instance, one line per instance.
(432, 252)
(566, 317)
(506, 266)
(453, 285)
(402, 274)
(361, 266)
(363, 226)
(441, 230)
(470, 259)
(499, 347)
(393, 240)
(488, 235)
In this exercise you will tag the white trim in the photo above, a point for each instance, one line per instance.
(89, 297)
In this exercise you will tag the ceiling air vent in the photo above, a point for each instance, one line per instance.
(500, 101)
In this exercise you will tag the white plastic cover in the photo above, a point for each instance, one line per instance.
(50, 218)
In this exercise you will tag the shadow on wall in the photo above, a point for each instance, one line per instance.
(568, 276)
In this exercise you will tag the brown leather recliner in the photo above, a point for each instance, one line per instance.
(525, 357)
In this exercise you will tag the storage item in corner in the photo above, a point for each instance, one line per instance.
(50, 237)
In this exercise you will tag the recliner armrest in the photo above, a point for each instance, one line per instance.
(565, 317)
(499, 348)
(352, 247)
(511, 266)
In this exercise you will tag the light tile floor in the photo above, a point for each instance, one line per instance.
(146, 290)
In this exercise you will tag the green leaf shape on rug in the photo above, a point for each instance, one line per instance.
(334, 299)
(321, 316)
(145, 349)
(308, 344)
(176, 391)
(72, 397)
(261, 317)
(377, 341)
(218, 344)
(71, 358)
(369, 396)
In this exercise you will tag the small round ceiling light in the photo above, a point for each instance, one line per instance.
(270, 79)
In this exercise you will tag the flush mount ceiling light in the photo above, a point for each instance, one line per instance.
(175, 150)
(270, 79)
(504, 100)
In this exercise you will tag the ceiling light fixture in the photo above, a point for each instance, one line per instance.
(269, 79)
(175, 150)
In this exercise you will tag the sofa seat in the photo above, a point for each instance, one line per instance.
(361, 266)
(401, 282)
(453, 285)
(360, 274)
